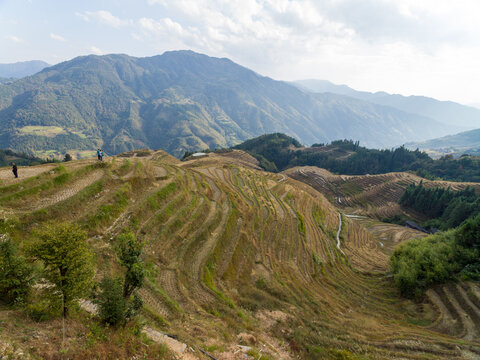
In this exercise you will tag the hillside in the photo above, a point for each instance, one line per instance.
(375, 196)
(277, 152)
(447, 112)
(8, 156)
(22, 69)
(467, 142)
(183, 101)
(236, 256)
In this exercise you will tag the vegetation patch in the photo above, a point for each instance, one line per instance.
(421, 263)
(48, 131)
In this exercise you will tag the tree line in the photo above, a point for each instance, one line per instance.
(277, 152)
(445, 208)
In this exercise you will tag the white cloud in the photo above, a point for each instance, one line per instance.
(104, 17)
(57, 37)
(82, 16)
(409, 46)
(406, 46)
(14, 38)
(95, 50)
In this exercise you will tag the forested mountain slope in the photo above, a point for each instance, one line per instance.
(182, 101)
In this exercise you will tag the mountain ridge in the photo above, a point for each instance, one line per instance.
(182, 101)
(467, 117)
(467, 142)
(22, 68)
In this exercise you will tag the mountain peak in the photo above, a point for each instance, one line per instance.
(22, 69)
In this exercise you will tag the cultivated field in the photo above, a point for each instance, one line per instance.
(376, 196)
(238, 256)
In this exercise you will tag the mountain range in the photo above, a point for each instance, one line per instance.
(467, 142)
(21, 69)
(183, 101)
(462, 117)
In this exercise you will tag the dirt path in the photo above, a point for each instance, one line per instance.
(24, 172)
(338, 232)
(70, 191)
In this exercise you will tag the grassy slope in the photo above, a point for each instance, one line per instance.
(231, 250)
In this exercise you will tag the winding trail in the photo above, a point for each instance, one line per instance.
(69, 191)
(338, 232)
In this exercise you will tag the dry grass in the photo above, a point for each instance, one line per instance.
(229, 248)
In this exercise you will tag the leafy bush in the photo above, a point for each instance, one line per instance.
(42, 310)
(129, 252)
(15, 273)
(420, 263)
(112, 306)
(118, 301)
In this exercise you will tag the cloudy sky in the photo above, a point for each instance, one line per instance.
(420, 47)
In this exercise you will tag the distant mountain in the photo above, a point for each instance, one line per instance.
(6, 80)
(22, 69)
(183, 101)
(462, 117)
(467, 142)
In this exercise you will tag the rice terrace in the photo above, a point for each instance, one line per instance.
(239, 180)
(241, 263)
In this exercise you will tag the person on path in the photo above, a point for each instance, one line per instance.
(98, 154)
(101, 155)
(15, 170)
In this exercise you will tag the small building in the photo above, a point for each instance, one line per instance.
(412, 225)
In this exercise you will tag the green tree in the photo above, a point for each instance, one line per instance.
(119, 302)
(67, 157)
(15, 273)
(67, 260)
(112, 306)
(129, 253)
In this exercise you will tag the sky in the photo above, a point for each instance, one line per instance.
(410, 47)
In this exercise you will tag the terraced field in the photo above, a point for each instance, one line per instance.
(237, 255)
(374, 195)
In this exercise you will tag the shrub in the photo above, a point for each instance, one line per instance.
(420, 263)
(129, 252)
(42, 310)
(15, 273)
(112, 306)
